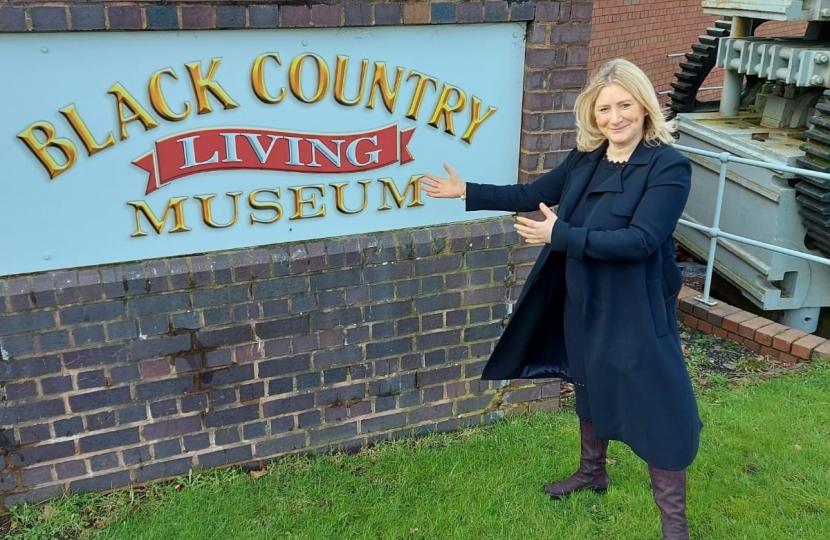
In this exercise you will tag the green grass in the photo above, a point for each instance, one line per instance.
(763, 473)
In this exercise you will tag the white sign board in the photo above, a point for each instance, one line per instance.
(128, 146)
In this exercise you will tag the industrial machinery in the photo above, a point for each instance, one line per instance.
(774, 107)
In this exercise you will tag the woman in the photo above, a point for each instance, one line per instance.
(598, 308)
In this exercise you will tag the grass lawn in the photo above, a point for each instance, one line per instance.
(763, 473)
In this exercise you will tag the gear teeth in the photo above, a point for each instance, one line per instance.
(694, 70)
(724, 24)
(814, 193)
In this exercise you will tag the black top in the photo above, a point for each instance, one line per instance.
(603, 172)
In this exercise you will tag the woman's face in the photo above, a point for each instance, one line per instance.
(619, 116)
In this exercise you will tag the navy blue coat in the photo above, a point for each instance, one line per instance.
(640, 391)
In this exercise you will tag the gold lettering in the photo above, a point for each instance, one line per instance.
(207, 212)
(124, 99)
(265, 205)
(379, 82)
(295, 78)
(389, 186)
(444, 110)
(40, 149)
(340, 81)
(420, 90)
(475, 121)
(203, 85)
(340, 198)
(300, 202)
(157, 97)
(80, 127)
(258, 79)
(174, 204)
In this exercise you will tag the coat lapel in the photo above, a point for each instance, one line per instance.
(577, 180)
(581, 175)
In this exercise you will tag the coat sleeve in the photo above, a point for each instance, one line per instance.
(653, 221)
(521, 197)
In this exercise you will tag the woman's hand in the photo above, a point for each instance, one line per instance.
(536, 232)
(443, 188)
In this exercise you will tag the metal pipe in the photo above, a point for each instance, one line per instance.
(762, 164)
(713, 242)
(733, 81)
(715, 232)
(729, 236)
(701, 89)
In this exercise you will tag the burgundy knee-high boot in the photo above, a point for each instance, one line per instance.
(669, 489)
(591, 473)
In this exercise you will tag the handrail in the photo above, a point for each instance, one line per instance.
(714, 230)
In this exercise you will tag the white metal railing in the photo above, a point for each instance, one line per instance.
(714, 231)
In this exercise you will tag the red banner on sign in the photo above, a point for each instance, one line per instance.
(222, 149)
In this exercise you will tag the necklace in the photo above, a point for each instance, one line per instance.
(613, 164)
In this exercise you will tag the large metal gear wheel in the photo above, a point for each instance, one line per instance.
(814, 193)
(699, 62)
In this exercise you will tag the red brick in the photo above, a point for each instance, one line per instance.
(765, 334)
(717, 313)
(734, 337)
(704, 326)
(752, 345)
(804, 346)
(769, 351)
(747, 328)
(822, 351)
(690, 321)
(788, 358)
(784, 340)
(731, 322)
(701, 310)
(719, 332)
(686, 292)
(687, 304)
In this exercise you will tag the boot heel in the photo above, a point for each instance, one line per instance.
(591, 473)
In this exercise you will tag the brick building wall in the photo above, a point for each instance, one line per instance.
(651, 32)
(646, 32)
(122, 374)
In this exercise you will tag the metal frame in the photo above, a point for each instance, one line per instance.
(714, 231)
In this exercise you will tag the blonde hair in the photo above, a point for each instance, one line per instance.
(656, 128)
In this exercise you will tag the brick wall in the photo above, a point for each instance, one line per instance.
(756, 333)
(648, 31)
(117, 375)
